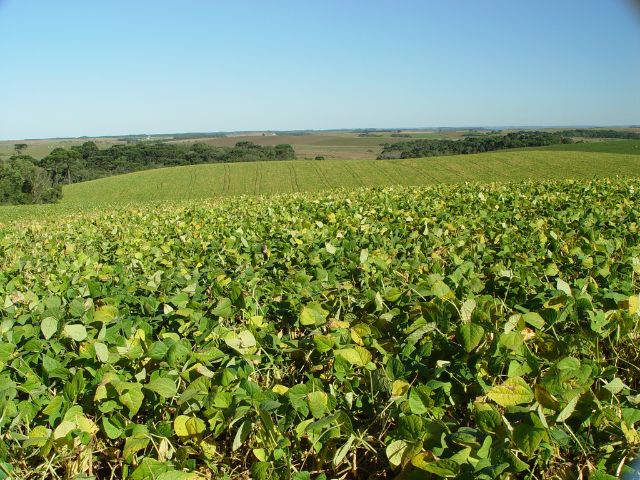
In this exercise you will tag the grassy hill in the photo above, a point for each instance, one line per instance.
(631, 147)
(264, 178)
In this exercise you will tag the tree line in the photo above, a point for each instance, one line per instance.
(432, 148)
(601, 133)
(24, 179)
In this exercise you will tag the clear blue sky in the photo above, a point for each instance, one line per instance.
(72, 68)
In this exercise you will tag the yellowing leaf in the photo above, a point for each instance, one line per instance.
(313, 314)
(105, 313)
(317, 402)
(634, 304)
(399, 388)
(38, 437)
(357, 355)
(514, 391)
(76, 332)
(63, 428)
(186, 427)
(102, 352)
(243, 342)
(280, 389)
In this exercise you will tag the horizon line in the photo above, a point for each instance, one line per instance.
(346, 129)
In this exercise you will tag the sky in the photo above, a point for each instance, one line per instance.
(87, 68)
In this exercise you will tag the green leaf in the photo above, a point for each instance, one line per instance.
(130, 395)
(298, 398)
(134, 444)
(6, 470)
(76, 332)
(442, 468)
(313, 314)
(342, 452)
(420, 401)
(630, 416)
(6, 352)
(165, 387)
(600, 475)
(512, 340)
(514, 391)
(178, 475)
(63, 429)
(410, 428)
(487, 417)
(534, 319)
(392, 294)
(110, 428)
(223, 308)
(76, 307)
(150, 468)
(395, 450)
(527, 438)
(568, 364)
(615, 386)
(470, 336)
(48, 326)
(441, 290)
(242, 434)
(323, 343)
(568, 410)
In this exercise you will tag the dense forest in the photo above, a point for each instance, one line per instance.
(601, 133)
(432, 148)
(22, 181)
(87, 162)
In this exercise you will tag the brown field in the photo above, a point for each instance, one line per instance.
(331, 145)
(41, 148)
(328, 144)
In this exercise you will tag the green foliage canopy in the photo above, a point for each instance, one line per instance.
(452, 331)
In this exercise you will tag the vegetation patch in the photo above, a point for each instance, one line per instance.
(462, 331)
(471, 144)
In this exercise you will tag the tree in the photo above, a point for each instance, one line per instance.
(19, 147)
(87, 149)
(63, 165)
(21, 181)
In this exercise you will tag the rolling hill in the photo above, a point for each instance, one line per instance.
(266, 178)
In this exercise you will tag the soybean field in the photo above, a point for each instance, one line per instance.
(474, 331)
